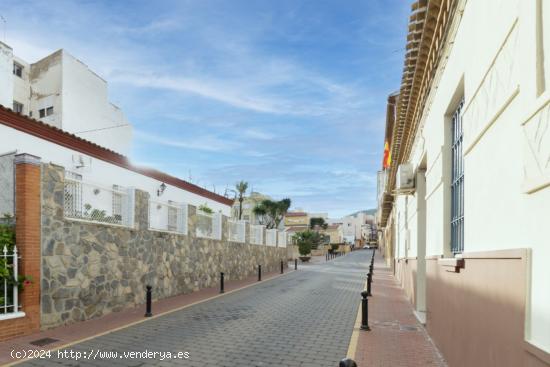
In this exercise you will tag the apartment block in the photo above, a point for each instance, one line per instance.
(62, 91)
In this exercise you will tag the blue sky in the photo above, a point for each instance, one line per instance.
(287, 95)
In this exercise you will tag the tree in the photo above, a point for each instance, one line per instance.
(318, 222)
(309, 239)
(304, 240)
(241, 188)
(270, 213)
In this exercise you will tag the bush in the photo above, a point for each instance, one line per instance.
(306, 240)
(304, 247)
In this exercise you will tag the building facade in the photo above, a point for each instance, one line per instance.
(335, 232)
(298, 220)
(249, 203)
(62, 91)
(463, 201)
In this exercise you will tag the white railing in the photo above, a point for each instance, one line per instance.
(271, 237)
(96, 203)
(281, 239)
(257, 234)
(9, 292)
(168, 216)
(237, 230)
(290, 239)
(209, 225)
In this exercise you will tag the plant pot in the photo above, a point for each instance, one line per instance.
(305, 259)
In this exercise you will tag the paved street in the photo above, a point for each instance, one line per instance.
(302, 319)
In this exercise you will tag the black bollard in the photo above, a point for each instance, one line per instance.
(295, 264)
(148, 300)
(369, 281)
(222, 290)
(365, 312)
(347, 362)
(259, 273)
(282, 268)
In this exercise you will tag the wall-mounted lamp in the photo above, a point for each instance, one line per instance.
(161, 189)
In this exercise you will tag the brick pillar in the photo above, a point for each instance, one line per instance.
(27, 233)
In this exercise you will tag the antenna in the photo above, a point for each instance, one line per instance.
(5, 25)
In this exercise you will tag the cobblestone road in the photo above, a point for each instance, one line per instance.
(302, 319)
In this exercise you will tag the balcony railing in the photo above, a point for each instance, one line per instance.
(271, 237)
(168, 216)
(257, 234)
(9, 290)
(97, 203)
(209, 225)
(237, 230)
(281, 239)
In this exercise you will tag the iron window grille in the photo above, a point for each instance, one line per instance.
(457, 183)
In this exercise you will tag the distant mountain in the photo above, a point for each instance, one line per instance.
(367, 211)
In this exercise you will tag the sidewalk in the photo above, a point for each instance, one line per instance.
(396, 338)
(81, 331)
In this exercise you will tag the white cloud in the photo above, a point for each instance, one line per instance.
(258, 134)
(207, 143)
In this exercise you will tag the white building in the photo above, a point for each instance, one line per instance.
(62, 91)
(352, 226)
(464, 204)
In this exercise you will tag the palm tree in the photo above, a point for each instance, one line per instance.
(241, 188)
(271, 213)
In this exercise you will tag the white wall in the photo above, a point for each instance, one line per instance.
(87, 111)
(21, 86)
(6, 75)
(100, 172)
(46, 82)
(506, 115)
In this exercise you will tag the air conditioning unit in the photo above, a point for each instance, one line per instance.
(405, 178)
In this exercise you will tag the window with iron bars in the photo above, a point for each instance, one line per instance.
(457, 182)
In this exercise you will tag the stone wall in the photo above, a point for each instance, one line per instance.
(89, 270)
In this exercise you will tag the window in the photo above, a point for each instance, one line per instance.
(457, 183)
(17, 107)
(45, 112)
(172, 217)
(17, 70)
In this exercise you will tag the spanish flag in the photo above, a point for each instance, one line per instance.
(387, 156)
